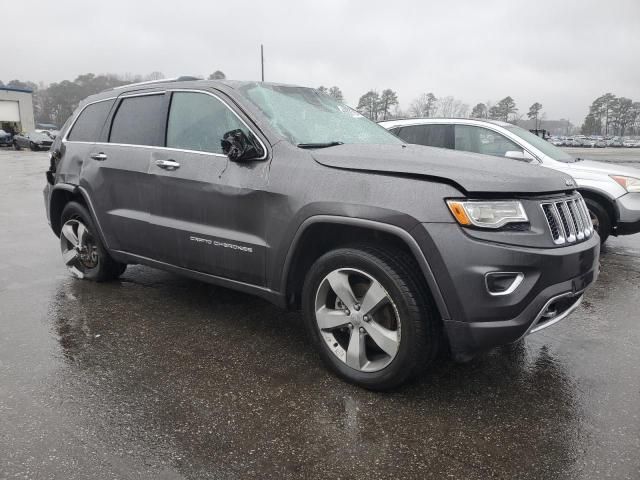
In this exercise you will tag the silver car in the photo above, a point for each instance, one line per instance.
(611, 191)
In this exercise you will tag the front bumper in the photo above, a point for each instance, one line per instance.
(628, 208)
(553, 277)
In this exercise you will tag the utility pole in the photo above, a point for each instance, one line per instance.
(262, 60)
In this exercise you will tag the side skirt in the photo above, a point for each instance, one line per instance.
(267, 294)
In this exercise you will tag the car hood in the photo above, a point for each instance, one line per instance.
(470, 172)
(606, 168)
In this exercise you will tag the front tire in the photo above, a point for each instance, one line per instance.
(16, 146)
(82, 251)
(33, 146)
(600, 219)
(368, 312)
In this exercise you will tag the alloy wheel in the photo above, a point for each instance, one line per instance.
(79, 250)
(357, 319)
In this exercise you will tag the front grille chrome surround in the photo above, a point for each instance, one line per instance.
(568, 220)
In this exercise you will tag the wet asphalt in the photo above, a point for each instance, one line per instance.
(160, 377)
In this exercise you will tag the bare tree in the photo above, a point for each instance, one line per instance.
(423, 106)
(154, 76)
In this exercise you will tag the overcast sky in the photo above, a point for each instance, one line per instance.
(560, 53)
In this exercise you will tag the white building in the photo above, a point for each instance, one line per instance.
(16, 109)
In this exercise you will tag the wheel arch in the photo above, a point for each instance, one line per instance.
(320, 234)
(63, 193)
(607, 203)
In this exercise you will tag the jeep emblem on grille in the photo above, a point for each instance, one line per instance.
(569, 183)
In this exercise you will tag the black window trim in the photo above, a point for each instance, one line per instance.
(66, 135)
(156, 92)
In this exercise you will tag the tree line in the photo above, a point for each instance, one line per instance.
(612, 115)
(608, 114)
(385, 105)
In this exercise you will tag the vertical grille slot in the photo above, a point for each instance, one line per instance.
(568, 220)
(553, 226)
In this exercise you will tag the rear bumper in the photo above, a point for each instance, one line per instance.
(554, 279)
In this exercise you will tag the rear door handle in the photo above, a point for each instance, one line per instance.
(167, 164)
(99, 156)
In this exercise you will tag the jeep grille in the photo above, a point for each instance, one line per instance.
(568, 220)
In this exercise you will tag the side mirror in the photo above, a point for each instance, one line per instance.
(238, 147)
(519, 155)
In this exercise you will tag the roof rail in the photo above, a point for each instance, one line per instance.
(182, 78)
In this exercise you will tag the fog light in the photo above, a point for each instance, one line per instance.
(503, 283)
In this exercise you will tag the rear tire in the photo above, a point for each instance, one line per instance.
(600, 218)
(82, 251)
(402, 333)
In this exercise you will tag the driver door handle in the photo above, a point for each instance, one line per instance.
(167, 164)
(99, 156)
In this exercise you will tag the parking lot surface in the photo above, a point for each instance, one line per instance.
(160, 377)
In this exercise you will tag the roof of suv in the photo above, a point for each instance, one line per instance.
(186, 82)
(421, 121)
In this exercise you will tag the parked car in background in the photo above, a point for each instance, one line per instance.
(49, 128)
(612, 192)
(33, 140)
(6, 138)
(600, 143)
(390, 250)
(589, 143)
(630, 143)
(557, 141)
(614, 142)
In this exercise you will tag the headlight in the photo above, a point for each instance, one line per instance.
(630, 184)
(483, 214)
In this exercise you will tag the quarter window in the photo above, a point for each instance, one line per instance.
(139, 121)
(436, 135)
(483, 140)
(89, 124)
(198, 121)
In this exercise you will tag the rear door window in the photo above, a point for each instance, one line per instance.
(436, 135)
(482, 140)
(198, 121)
(89, 124)
(139, 121)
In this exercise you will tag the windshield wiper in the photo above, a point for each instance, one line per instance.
(319, 145)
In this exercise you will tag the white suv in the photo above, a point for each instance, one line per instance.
(611, 191)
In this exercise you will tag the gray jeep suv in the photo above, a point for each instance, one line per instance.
(392, 251)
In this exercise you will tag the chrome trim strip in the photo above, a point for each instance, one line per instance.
(567, 215)
(577, 218)
(512, 288)
(536, 326)
(143, 94)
